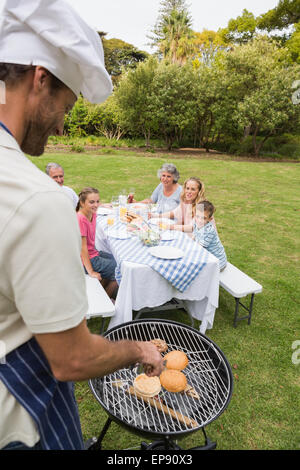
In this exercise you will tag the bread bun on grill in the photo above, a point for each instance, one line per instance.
(147, 386)
(176, 360)
(160, 344)
(173, 380)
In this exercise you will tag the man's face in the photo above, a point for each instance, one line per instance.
(57, 174)
(46, 118)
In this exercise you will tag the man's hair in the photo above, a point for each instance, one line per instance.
(12, 74)
(52, 165)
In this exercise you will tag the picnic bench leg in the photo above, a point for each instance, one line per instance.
(236, 312)
(237, 304)
(250, 309)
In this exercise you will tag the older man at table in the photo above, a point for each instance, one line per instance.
(57, 173)
(48, 56)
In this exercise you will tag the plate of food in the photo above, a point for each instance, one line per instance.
(166, 252)
(161, 222)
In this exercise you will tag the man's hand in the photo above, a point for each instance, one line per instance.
(151, 358)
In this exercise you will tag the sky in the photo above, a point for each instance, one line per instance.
(133, 20)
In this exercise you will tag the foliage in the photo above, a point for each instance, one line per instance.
(173, 100)
(259, 86)
(286, 13)
(120, 54)
(133, 98)
(172, 33)
(206, 45)
(240, 30)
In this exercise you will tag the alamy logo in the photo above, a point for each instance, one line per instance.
(296, 94)
(296, 354)
(2, 352)
(2, 92)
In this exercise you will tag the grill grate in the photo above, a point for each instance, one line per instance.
(207, 372)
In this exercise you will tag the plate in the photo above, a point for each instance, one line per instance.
(157, 221)
(119, 234)
(166, 252)
(104, 211)
(167, 235)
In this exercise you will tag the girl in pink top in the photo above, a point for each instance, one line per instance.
(192, 194)
(99, 265)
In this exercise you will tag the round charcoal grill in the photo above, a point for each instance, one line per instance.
(168, 416)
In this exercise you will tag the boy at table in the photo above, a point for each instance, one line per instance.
(205, 233)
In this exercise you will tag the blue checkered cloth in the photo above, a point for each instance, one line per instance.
(179, 272)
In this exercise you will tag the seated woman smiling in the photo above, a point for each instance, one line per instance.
(193, 193)
(167, 194)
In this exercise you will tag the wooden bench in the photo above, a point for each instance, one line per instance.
(239, 285)
(100, 305)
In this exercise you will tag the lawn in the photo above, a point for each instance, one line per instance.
(258, 221)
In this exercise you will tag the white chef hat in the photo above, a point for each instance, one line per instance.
(51, 34)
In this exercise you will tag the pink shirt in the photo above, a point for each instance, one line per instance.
(88, 230)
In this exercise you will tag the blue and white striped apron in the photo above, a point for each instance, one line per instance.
(51, 403)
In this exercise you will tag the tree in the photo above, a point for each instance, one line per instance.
(133, 98)
(259, 88)
(207, 45)
(120, 55)
(172, 102)
(285, 14)
(172, 33)
(239, 30)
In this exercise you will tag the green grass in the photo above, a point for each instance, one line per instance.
(258, 221)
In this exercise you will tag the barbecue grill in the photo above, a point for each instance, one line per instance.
(168, 416)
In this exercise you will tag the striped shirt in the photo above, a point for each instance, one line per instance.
(207, 237)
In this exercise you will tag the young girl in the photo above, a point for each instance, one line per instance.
(97, 264)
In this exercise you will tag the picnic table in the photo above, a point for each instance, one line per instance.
(147, 281)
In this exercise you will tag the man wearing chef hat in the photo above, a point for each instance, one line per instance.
(48, 55)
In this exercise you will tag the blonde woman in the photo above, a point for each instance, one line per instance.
(193, 193)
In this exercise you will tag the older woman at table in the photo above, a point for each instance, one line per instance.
(184, 214)
(97, 264)
(167, 194)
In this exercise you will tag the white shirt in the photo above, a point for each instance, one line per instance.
(42, 283)
(72, 195)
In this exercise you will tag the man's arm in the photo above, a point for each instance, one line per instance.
(76, 354)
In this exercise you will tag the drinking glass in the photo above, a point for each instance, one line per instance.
(130, 196)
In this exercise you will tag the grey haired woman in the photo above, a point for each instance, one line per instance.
(167, 194)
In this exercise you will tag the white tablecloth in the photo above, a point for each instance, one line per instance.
(142, 287)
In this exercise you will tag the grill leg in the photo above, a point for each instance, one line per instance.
(98, 444)
(209, 445)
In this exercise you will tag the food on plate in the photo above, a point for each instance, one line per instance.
(129, 217)
(176, 360)
(191, 392)
(173, 380)
(147, 386)
(160, 344)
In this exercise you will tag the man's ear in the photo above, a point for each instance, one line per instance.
(40, 79)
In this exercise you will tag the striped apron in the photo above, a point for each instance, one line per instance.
(51, 403)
